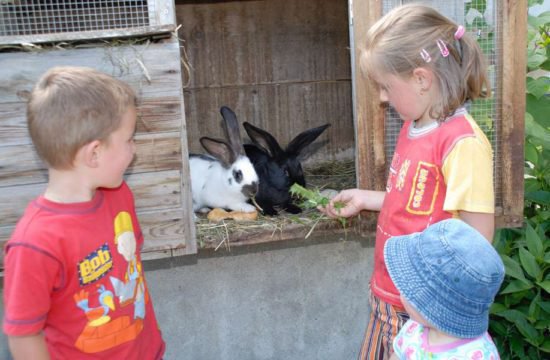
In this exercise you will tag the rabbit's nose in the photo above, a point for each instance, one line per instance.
(250, 190)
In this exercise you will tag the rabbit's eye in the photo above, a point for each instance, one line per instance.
(238, 175)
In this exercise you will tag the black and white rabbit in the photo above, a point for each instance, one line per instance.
(278, 169)
(226, 178)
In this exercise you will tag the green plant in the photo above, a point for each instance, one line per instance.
(520, 317)
(312, 198)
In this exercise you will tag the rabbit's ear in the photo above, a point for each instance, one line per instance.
(231, 126)
(304, 139)
(220, 150)
(264, 140)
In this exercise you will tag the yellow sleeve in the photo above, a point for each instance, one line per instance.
(468, 173)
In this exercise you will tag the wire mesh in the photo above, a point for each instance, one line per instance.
(35, 17)
(480, 19)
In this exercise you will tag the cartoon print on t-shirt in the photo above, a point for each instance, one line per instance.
(132, 289)
(97, 315)
(104, 329)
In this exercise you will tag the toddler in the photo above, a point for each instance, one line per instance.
(448, 276)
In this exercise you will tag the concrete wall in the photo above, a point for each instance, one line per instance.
(302, 299)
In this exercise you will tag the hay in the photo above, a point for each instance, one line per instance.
(335, 175)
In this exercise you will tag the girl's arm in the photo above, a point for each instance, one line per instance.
(28, 347)
(482, 222)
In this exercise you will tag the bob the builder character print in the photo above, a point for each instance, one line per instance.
(105, 330)
(132, 289)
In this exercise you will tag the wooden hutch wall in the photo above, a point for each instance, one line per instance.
(283, 65)
(159, 174)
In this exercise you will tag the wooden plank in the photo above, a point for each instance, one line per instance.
(164, 230)
(138, 65)
(20, 164)
(158, 190)
(155, 114)
(140, 31)
(512, 113)
(368, 114)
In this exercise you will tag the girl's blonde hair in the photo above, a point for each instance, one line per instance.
(407, 38)
(70, 107)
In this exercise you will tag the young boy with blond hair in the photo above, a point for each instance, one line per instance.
(74, 285)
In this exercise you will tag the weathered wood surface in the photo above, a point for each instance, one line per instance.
(282, 65)
(369, 114)
(158, 175)
(512, 113)
(154, 152)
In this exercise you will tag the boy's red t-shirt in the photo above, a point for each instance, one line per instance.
(74, 271)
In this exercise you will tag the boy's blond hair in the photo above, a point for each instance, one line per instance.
(394, 45)
(71, 106)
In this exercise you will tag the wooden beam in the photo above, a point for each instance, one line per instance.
(368, 114)
(513, 43)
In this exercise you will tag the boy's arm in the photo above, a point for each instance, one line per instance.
(28, 347)
(482, 222)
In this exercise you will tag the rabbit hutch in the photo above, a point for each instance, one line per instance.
(284, 66)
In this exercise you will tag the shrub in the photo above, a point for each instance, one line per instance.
(520, 317)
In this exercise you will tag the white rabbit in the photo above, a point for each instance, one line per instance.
(226, 178)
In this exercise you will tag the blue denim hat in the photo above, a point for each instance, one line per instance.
(449, 273)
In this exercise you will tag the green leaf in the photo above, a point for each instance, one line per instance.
(534, 310)
(516, 286)
(545, 305)
(545, 285)
(496, 308)
(538, 108)
(529, 263)
(531, 153)
(540, 197)
(498, 328)
(517, 345)
(534, 242)
(538, 87)
(527, 330)
(512, 268)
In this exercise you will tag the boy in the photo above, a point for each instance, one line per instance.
(74, 285)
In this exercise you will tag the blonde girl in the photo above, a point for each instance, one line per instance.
(427, 68)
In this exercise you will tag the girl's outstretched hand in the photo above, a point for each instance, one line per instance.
(351, 202)
(346, 203)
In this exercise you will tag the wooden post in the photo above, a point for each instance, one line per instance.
(513, 43)
(368, 113)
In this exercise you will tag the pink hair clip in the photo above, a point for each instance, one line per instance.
(425, 55)
(442, 48)
(459, 32)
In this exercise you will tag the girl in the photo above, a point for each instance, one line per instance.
(426, 68)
